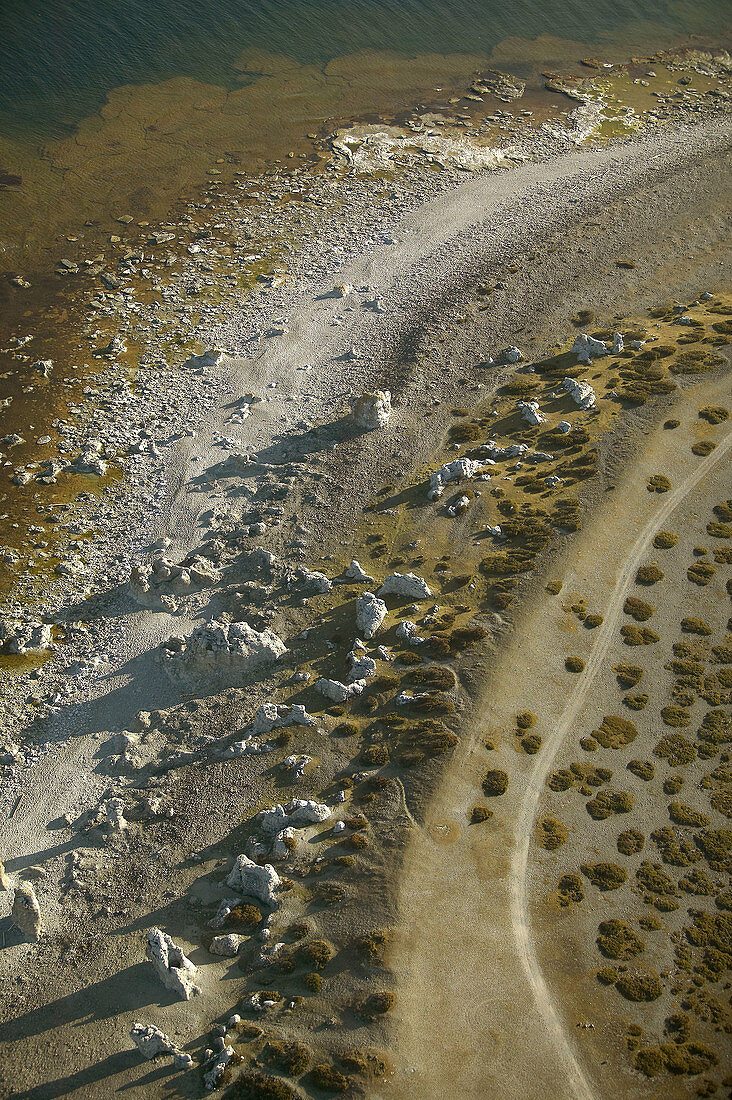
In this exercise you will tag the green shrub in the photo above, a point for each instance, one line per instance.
(713, 414)
(719, 530)
(703, 448)
(260, 1086)
(636, 702)
(700, 573)
(673, 784)
(329, 1078)
(664, 540)
(292, 1058)
(495, 783)
(638, 635)
(465, 433)
(628, 675)
(617, 940)
(244, 916)
(644, 769)
(313, 981)
(345, 729)
(675, 716)
(375, 1005)
(638, 609)
(630, 842)
(695, 626)
(607, 803)
(614, 732)
(676, 749)
(478, 814)
(607, 975)
(605, 876)
(525, 720)
(375, 755)
(531, 744)
(317, 953)
(551, 834)
(657, 483)
(371, 946)
(464, 636)
(574, 664)
(640, 986)
(650, 1061)
(649, 574)
(437, 677)
(570, 889)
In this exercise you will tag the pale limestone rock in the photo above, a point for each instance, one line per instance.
(251, 878)
(586, 348)
(338, 692)
(372, 410)
(226, 946)
(580, 391)
(151, 1041)
(172, 966)
(408, 585)
(370, 614)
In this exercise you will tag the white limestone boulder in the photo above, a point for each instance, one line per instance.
(222, 649)
(25, 636)
(407, 585)
(370, 614)
(26, 912)
(586, 348)
(372, 410)
(580, 391)
(529, 412)
(172, 966)
(254, 879)
(152, 1042)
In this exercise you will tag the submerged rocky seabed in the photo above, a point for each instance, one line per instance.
(262, 587)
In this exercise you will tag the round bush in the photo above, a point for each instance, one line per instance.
(640, 987)
(617, 940)
(574, 664)
(495, 783)
(630, 842)
(664, 540)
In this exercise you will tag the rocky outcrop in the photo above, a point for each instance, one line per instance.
(25, 636)
(215, 1066)
(295, 814)
(580, 391)
(529, 411)
(227, 946)
(338, 692)
(222, 649)
(370, 614)
(26, 911)
(171, 965)
(151, 1042)
(159, 583)
(407, 585)
(586, 348)
(271, 716)
(372, 410)
(460, 469)
(314, 583)
(257, 881)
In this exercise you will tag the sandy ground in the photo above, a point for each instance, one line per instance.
(464, 964)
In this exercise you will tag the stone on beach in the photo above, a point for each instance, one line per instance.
(216, 648)
(581, 392)
(372, 410)
(408, 585)
(586, 348)
(370, 614)
(151, 1041)
(338, 692)
(28, 636)
(172, 966)
(529, 411)
(253, 879)
(26, 911)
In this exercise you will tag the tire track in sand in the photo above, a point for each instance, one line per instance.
(581, 1087)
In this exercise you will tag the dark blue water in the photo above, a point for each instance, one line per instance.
(59, 58)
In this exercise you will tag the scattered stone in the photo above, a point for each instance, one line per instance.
(338, 692)
(508, 356)
(151, 1041)
(25, 637)
(272, 716)
(408, 585)
(529, 411)
(354, 572)
(370, 614)
(581, 392)
(220, 649)
(26, 911)
(227, 946)
(296, 814)
(460, 506)
(255, 880)
(407, 632)
(586, 348)
(460, 469)
(4, 880)
(174, 969)
(216, 1066)
(114, 811)
(372, 410)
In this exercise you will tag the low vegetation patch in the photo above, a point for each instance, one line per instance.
(630, 842)
(676, 749)
(713, 414)
(569, 890)
(605, 876)
(495, 783)
(614, 732)
(375, 1004)
(681, 814)
(640, 986)
(638, 635)
(628, 675)
(617, 940)
(638, 609)
(551, 834)
(574, 664)
(700, 573)
(607, 803)
(644, 769)
(260, 1086)
(637, 701)
(649, 574)
(478, 814)
(657, 483)
(703, 447)
(696, 626)
(664, 540)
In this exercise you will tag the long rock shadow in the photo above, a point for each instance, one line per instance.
(91, 1075)
(135, 987)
